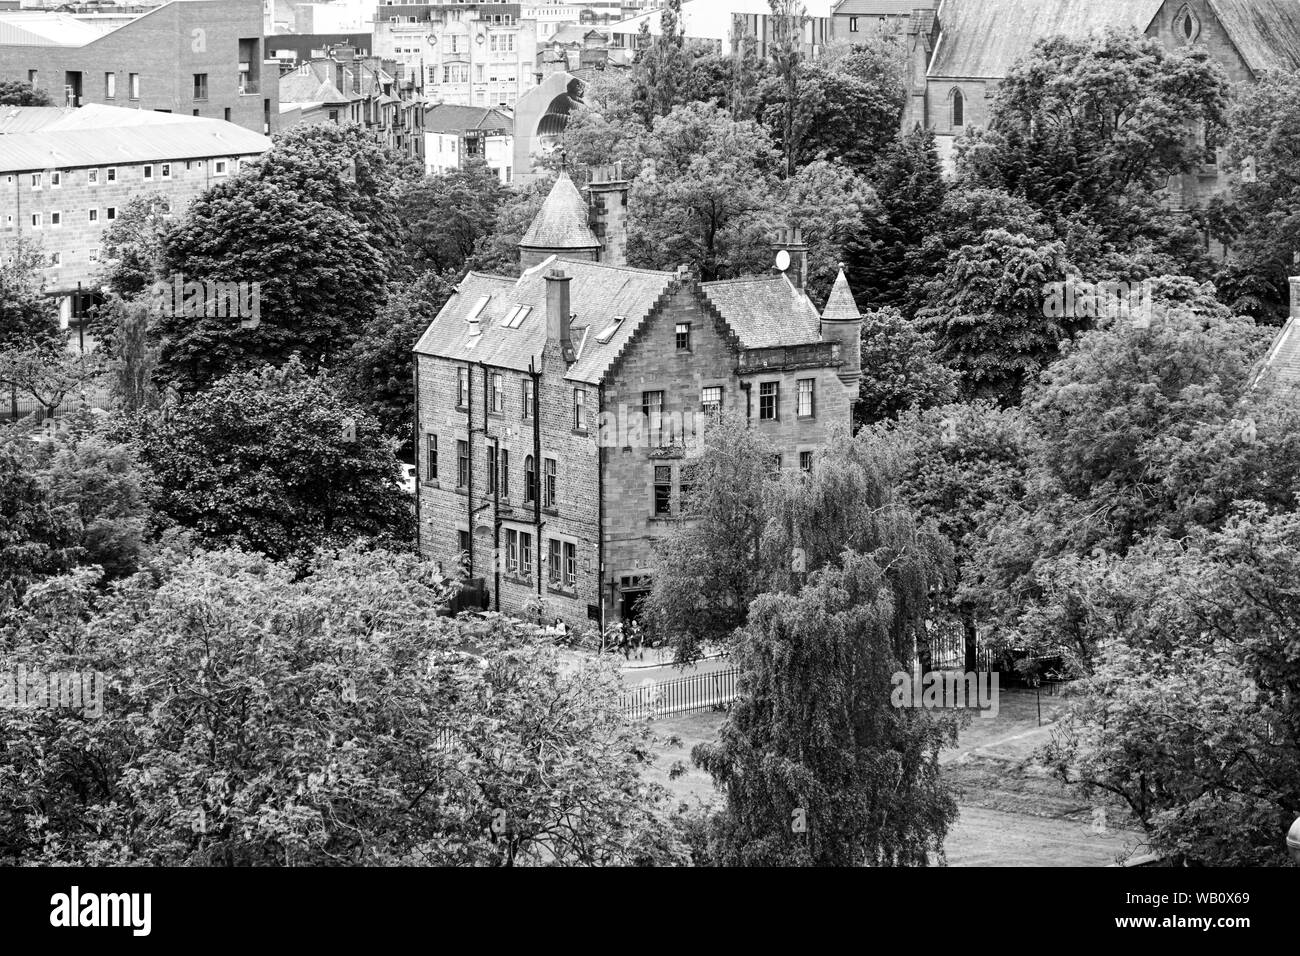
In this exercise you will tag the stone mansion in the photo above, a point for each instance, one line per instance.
(554, 411)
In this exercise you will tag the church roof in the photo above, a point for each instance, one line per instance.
(561, 223)
(840, 305)
(983, 38)
(1265, 32)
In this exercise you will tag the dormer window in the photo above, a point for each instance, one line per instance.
(610, 330)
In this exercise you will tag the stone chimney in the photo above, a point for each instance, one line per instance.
(790, 241)
(340, 77)
(1295, 296)
(558, 313)
(607, 211)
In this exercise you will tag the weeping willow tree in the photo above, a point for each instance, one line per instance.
(818, 767)
(823, 585)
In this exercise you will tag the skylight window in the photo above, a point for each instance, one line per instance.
(609, 330)
(515, 317)
(479, 306)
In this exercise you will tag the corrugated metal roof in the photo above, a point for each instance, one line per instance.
(1266, 32)
(765, 311)
(106, 135)
(37, 28)
(984, 38)
(24, 119)
(562, 221)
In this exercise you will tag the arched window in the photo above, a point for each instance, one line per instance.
(530, 480)
(958, 108)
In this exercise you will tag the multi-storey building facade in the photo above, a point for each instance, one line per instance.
(558, 414)
(188, 57)
(464, 52)
(457, 135)
(343, 87)
(66, 173)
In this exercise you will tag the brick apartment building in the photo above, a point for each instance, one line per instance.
(65, 173)
(188, 57)
(554, 411)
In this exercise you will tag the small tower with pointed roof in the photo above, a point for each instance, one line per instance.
(842, 324)
(560, 227)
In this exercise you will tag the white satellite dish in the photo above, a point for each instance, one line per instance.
(783, 260)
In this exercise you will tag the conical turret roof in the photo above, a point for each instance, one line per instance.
(561, 223)
(840, 306)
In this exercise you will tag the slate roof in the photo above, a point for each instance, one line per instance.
(98, 135)
(984, 38)
(1282, 363)
(597, 294)
(451, 118)
(765, 311)
(841, 305)
(299, 89)
(562, 221)
(1265, 32)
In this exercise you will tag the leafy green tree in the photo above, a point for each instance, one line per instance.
(48, 373)
(1264, 138)
(847, 108)
(900, 371)
(661, 68)
(1190, 716)
(831, 205)
(1080, 123)
(276, 461)
(379, 374)
(134, 246)
(989, 312)
(317, 272)
(15, 93)
(34, 534)
(444, 217)
(256, 716)
(705, 196)
(705, 569)
(909, 182)
(961, 466)
(342, 166)
(104, 496)
(27, 316)
(817, 765)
